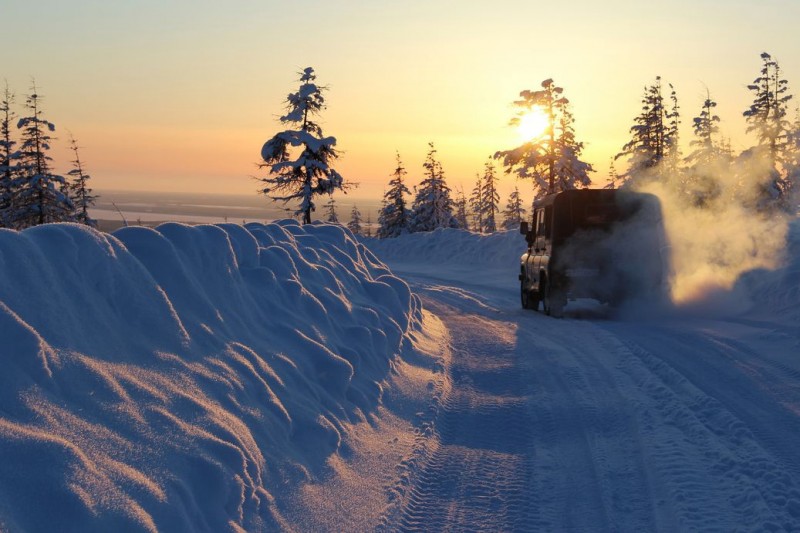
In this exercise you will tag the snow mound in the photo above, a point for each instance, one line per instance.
(453, 247)
(778, 290)
(493, 260)
(173, 379)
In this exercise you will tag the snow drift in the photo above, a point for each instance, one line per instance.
(777, 291)
(453, 248)
(493, 260)
(174, 378)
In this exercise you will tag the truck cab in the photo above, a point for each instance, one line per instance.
(605, 244)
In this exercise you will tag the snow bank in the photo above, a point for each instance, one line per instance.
(454, 248)
(494, 260)
(777, 290)
(175, 378)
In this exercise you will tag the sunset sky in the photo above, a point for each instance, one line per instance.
(180, 95)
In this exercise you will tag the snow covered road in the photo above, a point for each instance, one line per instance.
(596, 424)
(279, 377)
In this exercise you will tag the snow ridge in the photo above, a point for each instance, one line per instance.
(172, 379)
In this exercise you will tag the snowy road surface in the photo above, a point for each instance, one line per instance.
(591, 423)
(277, 377)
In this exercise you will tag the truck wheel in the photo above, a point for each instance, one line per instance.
(530, 300)
(552, 303)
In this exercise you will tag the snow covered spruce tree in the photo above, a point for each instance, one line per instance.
(393, 218)
(553, 158)
(80, 193)
(354, 224)
(305, 175)
(40, 195)
(654, 137)
(767, 118)
(476, 203)
(491, 198)
(514, 212)
(8, 169)
(706, 159)
(330, 211)
(460, 205)
(432, 207)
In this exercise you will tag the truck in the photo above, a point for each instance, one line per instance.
(606, 244)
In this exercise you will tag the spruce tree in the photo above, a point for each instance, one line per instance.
(8, 169)
(702, 184)
(40, 195)
(393, 218)
(552, 161)
(309, 173)
(767, 119)
(368, 228)
(330, 211)
(80, 193)
(460, 206)
(614, 180)
(514, 213)
(491, 198)
(672, 152)
(476, 203)
(650, 137)
(432, 207)
(355, 221)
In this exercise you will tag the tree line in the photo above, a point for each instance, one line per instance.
(305, 172)
(766, 175)
(31, 193)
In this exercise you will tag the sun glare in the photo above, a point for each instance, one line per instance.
(532, 124)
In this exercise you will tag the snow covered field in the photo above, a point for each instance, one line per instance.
(224, 378)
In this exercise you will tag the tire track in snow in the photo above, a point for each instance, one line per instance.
(589, 454)
(724, 466)
(477, 475)
(632, 426)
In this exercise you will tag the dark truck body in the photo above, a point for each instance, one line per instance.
(605, 244)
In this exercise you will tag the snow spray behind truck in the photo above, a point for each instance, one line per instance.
(606, 244)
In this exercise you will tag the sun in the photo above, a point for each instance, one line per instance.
(532, 124)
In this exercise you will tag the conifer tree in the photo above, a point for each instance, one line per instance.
(40, 195)
(672, 150)
(476, 203)
(308, 174)
(355, 221)
(614, 181)
(704, 161)
(330, 211)
(767, 118)
(491, 198)
(514, 213)
(552, 160)
(650, 136)
(432, 207)
(368, 229)
(460, 205)
(393, 218)
(80, 193)
(8, 169)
